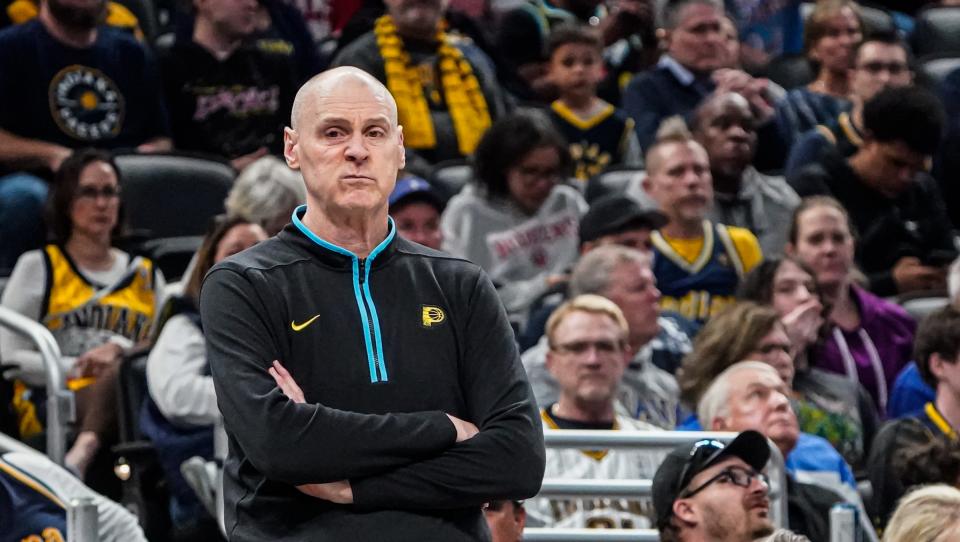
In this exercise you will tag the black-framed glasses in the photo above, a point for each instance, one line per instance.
(92, 192)
(578, 348)
(737, 476)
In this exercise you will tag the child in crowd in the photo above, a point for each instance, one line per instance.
(599, 134)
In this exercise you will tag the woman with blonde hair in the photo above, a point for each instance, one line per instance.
(928, 514)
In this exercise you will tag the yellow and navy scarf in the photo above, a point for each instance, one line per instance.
(461, 90)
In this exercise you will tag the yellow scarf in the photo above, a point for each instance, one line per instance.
(464, 98)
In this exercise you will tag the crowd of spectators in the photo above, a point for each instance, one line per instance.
(682, 238)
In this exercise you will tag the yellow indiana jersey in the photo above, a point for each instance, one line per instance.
(82, 314)
(698, 277)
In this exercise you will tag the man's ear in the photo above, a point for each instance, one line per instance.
(290, 141)
(403, 151)
(790, 249)
(936, 365)
(663, 38)
(718, 424)
(685, 512)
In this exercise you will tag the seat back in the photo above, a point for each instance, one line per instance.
(146, 15)
(937, 31)
(132, 390)
(790, 70)
(614, 180)
(173, 195)
(935, 69)
(449, 177)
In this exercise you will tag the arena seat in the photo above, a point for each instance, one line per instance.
(876, 19)
(790, 71)
(937, 31)
(612, 181)
(143, 487)
(170, 195)
(934, 69)
(146, 14)
(450, 176)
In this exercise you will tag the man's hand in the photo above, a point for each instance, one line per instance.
(337, 492)
(911, 276)
(96, 360)
(465, 429)
(751, 88)
(286, 383)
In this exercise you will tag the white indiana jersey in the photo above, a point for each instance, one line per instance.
(616, 464)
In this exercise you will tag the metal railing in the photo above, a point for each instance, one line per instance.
(557, 488)
(60, 406)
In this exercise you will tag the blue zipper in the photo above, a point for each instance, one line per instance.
(361, 291)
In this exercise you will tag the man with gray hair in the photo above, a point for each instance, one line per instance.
(266, 193)
(623, 276)
(750, 395)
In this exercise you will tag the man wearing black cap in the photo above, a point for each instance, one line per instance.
(619, 220)
(416, 208)
(706, 491)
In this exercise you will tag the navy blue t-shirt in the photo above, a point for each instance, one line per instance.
(107, 95)
(28, 509)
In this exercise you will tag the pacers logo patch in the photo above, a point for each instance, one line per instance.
(432, 316)
(86, 104)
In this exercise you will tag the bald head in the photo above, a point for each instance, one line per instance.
(346, 80)
(718, 104)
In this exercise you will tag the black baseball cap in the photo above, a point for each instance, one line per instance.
(688, 460)
(616, 213)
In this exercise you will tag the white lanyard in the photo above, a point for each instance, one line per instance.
(872, 355)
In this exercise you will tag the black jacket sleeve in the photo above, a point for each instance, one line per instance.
(285, 441)
(506, 459)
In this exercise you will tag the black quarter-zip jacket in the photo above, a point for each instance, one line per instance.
(382, 347)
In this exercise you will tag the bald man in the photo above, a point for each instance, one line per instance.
(370, 387)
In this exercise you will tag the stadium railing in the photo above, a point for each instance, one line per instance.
(60, 400)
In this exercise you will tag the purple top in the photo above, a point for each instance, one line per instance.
(890, 330)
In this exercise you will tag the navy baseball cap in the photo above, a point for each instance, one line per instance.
(688, 460)
(616, 213)
(414, 188)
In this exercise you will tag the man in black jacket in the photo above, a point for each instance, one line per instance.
(904, 236)
(412, 408)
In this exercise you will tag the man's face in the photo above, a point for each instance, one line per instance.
(234, 19)
(419, 221)
(416, 18)
(680, 182)
(727, 130)
(891, 167)
(505, 520)
(698, 42)
(758, 400)
(587, 357)
(348, 146)
(78, 14)
(724, 510)
(634, 289)
(878, 66)
(576, 69)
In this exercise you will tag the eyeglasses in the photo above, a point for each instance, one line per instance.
(893, 68)
(92, 192)
(735, 475)
(578, 348)
(530, 175)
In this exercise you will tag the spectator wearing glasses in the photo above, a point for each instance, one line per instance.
(896, 209)
(881, 60)
(750, 395)
(706, 491)
(97, 300)
(587, 357)
(518, 220)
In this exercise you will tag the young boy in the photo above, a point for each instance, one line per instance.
(599, 134)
